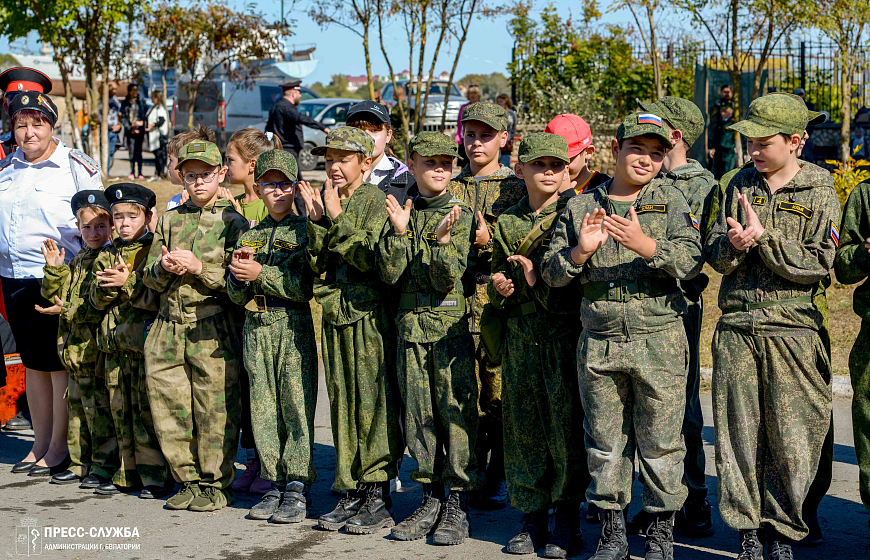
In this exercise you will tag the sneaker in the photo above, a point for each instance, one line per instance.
(293, 506)
(376, 511)
(260, 485)
(423, 521)
(395, 485)
(454, 526)
(153, 178)
(533, 535)
(141, 176)
(252, 471)
(182, 498)
(347, 507)
(131, 176)
(750, 546)
(209, 499)
(567, 540)
(267, 506)
(660, 536)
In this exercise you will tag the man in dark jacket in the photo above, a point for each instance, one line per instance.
(286, 121)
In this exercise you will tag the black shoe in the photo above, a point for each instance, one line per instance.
(815, 538)
(592, 513)
(423, 521)
(22, 467)
(66, 477)
(50, 471)
(613, 543)
(567, 539)
(637, 525)
(493, 496)
(778, 547)
(695, 519)
(454, 526)
(750, 547)
(660, 536)
(156, 492)
(533, 535)
(293, 505)
(18, 423)
(376, 511)
(92, 481)
(347, 507)
(267, 506)
(107, 489)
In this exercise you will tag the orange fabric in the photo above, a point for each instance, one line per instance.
(13, 389)
(580, 188)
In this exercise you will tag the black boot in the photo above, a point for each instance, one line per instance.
(376, 511)
(347, 507)
(454, 525)
(778, 546)
(423, 521)
(533, 535)
(750, 547)
(660, 536)
(567, 539)
(695, 519)
(613, 544)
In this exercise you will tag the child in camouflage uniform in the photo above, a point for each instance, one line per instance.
(423, 251)
(93, 446)
(271, 277)
(543, 417)
(774, 238)
(629, 242)
(191, 353)
(489, 189)
(129, 308)
(358, 336)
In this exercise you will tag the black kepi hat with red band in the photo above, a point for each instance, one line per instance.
(20, 79)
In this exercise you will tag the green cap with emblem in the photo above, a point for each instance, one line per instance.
(200, 150)
(492, 114)
(777, 113)
(430, 143)
(644, 124)
(349, 139)
(276, 160)
(680, 113)
(543, 144)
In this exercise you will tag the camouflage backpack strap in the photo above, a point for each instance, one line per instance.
(538, 233)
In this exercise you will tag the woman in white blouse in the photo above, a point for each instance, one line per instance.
(157, 130)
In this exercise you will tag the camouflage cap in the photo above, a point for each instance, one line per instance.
(199, 150)
(680, 113)
(816, 117)
(349, 139)
(429, 143)
(276, 160)
(492, 114)
(779, 113)
(644, 124)
(543, 144)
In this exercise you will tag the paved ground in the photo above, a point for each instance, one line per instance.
(227, 535)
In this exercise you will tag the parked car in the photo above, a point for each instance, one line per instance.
(435, 108)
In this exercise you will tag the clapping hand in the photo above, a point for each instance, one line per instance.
(169, 264)
(243, 266)
(53, 255)
(115, 276)
(445, 226)
(744, 238)
(187, 261)
(528, 268)
(482, 236)
(399, 215)
(590, 237)
(225, 192)
(53, 310)
(312, 201)
(627, 232)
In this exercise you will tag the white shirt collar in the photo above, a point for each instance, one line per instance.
(55, 157)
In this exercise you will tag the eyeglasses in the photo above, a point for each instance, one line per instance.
(270, 187)
(190, 178)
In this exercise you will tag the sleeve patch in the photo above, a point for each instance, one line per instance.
(662, 208)
(693, 221)
(795, 209)
(835, 234)
(85, 160)
(759, 201)
(430, 236)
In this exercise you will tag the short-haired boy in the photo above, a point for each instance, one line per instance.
(577, 133)
(359, 337)
(191, 353)
(489, 189)
(628, 242)
(423, 251)
(203, 134)
(93, 447)
(543, 417)
(775, 240)
(270, 275)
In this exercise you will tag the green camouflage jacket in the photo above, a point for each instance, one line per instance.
(130, 309)
(416, 263)
(556, 308)
(852, 263)
(696, 183)
(211, 234)
(790, 260)
(286, 274)
(344, 249)
(664, 216)
(79, 320)
(490, 196)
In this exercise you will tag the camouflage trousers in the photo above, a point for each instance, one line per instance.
(93, 447)
(695, 463)
(438, 386)
(192, 376)
(117, 379)
(634, 395)
(543, 423)
(772, 410)
(281, 360)
(859, 369)
(364, 403)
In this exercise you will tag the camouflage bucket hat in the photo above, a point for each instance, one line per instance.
(774, 114)
(492, 114)
(644, 124)
(200, 150)
(434, 144)
(276, 160)
(680, 113)
(543, 144)
(349, 139)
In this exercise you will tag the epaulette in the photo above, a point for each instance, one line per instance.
(6, 137)
(87, 162)
(5, 162)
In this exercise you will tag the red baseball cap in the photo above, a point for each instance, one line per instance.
(573, 129)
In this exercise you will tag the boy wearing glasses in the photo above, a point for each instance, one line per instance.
(271, 277)
(191, 351)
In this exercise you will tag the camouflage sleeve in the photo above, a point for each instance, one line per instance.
(155, 276)
(294, 281)
(809, 260)
(318, 256)
(102, 297)
(138, 295)
(239, 292)
(680, 255)
(393, 254)
(450, 259)
(214, 270)
(56, 281)
(718, 250)
(356, 245)
(852, 263)
(500, 253)
(557, 267)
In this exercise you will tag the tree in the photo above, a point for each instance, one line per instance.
(354, 15)
(649, 37)
(463, 12)
(171, 34)
(491, 85)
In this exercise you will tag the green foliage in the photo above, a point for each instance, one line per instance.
(491, 85)
(848, 175)
(338, 88)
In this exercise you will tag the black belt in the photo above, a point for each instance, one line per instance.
(262, 304)
(624, 290)
(431, 302)
(762, 304)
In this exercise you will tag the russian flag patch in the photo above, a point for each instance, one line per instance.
(649, 118)
(835, 234)
(695, 223)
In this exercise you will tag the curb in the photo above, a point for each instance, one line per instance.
(841, 385)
